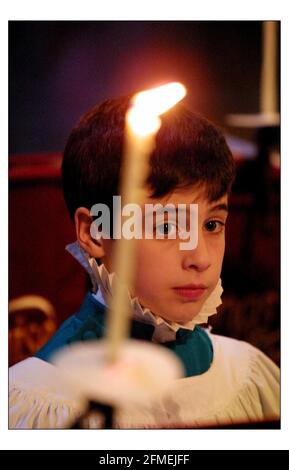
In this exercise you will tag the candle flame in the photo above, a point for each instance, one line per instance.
(143, 124)
(148, 105)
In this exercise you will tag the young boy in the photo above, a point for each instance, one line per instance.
(227, 381)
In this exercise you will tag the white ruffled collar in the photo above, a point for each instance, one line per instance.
(165, 330)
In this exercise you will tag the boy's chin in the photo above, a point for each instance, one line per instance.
(183, 314)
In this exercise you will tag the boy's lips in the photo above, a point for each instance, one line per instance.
(191, 291)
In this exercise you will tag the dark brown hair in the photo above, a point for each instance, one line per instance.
(190, 150)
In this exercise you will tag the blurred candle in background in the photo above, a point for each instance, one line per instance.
(268, 93)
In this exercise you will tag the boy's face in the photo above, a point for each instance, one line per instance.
(175, 283)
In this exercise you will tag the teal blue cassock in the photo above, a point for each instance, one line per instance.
(193, 347)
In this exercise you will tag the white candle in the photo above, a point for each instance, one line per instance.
(142, 125)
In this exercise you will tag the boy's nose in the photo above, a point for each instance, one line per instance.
(198, 258)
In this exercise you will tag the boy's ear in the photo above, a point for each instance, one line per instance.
(83, 221)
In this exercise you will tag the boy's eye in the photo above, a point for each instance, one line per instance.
(165, 229)
(215, 226)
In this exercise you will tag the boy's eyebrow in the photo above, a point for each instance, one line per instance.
(160, 211)
(219, 207)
